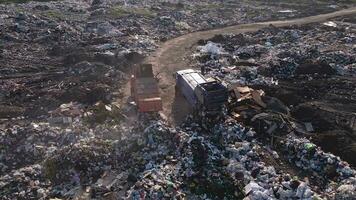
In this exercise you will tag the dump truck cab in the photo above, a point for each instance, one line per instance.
(205, 96)
(144, 89)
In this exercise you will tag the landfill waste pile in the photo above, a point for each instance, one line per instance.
(49, 161)
(66, 132)
(153, 161)
(273, 53)
(308, 156)
(59, 52)
(226, 162)
(307, 71)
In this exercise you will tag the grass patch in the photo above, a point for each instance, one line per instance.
(119, 11)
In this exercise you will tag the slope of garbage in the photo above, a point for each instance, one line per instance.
(63, 135)
(311, 69)
(307, 77)
(151, 160)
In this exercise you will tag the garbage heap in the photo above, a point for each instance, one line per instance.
(309, 157)
(45, 161)
(151, 160)
(272, 53)
(63, 51)
(227, 161)
(309, 68)
(273, 123)
(224, 162)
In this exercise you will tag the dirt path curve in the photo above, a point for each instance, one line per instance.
(169, 57)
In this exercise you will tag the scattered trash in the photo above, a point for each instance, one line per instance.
(309, 127)
(60, 120)
(211, 48)
(331, 24)
(286, 11)
(308, 156)
(63, 137)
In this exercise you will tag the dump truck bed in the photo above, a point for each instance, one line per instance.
(144, 89)
(147, 88)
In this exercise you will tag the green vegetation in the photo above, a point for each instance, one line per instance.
(119, 11)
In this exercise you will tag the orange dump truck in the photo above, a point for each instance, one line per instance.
(144, 89)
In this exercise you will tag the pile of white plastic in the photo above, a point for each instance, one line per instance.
(262, 181)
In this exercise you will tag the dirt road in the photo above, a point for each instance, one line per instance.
(170, 56)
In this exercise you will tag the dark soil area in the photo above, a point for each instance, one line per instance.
(328, 102)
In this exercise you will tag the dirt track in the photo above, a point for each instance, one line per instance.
(170, 56)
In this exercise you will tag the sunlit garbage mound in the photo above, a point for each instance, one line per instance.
(81, 163)
(22, 146)
(33, 142)
(194, 169)
(228, 162)
(215, 164)
(156, 161)
(224, 162)
(25, 183)
(329, 167)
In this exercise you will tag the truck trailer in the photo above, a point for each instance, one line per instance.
(207, 97)
(144, 89)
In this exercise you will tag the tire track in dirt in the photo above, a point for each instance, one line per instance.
(169, 57)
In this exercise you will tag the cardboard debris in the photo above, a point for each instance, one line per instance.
(241, 97)
(256, 95)
(243, 89)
